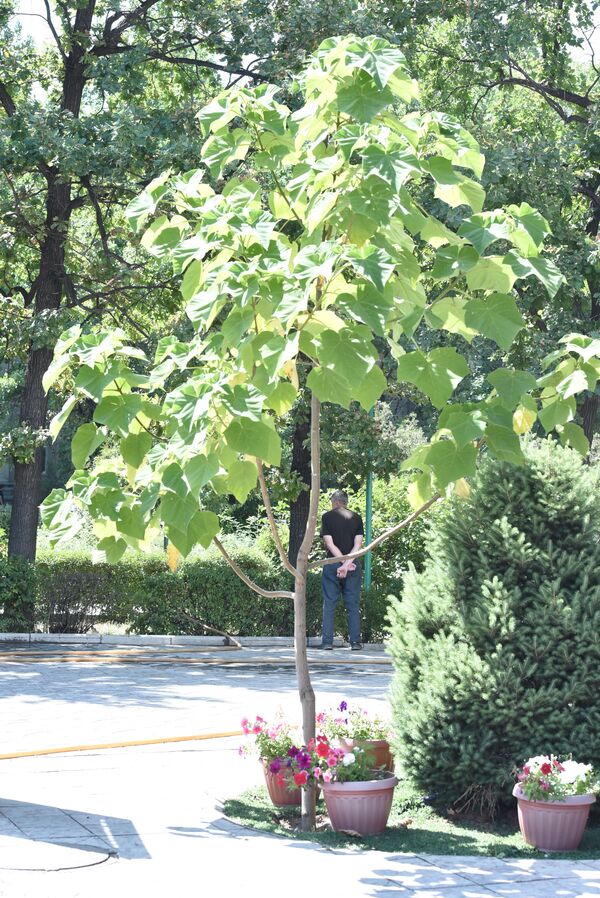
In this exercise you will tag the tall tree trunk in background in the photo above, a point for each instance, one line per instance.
(46, 296)
(300, 506)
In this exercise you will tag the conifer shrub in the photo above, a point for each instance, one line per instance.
(496, 643)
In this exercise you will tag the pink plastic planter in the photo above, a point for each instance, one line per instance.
(362, 807)
(553, 825)
(380, 749)
(279, 794)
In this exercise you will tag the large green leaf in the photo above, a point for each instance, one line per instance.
(329, 386)
(491, 273)
(449, 314)
(60, 515)
(198, 471)
(510, 384)
(465, 425)
(436, 374)
(118, 411)
(449, 462)
(86, 440)
(393, 167)
(504, 444)
(60, 419)
(453, 187)
(225, 147)
(496, 317)
(542, 269)
(368, 389)
(241, 479)
(377, 58)
(254, 438)
(135, 447)
(361, 98)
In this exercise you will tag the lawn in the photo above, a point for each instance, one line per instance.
(413, 827)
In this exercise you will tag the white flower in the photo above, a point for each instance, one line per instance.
(574, 771)
(348, 759)
(537, 761)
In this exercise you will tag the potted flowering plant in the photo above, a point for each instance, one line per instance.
(353, 726)
(271, 741)
(358, 797)
(554, 799)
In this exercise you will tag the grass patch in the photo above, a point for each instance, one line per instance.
(413, 827)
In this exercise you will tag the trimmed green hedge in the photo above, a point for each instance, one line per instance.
(72, 594)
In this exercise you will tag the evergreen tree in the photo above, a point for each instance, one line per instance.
(496, 643)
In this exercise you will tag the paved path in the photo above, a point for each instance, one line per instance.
(146, 821)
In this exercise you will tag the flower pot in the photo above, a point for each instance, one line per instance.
(380, 749)
(362, 807)
(279, 793)
(553, 825)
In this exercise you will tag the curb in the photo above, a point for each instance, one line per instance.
(158, 640)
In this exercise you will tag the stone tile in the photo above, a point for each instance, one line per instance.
(468, 891)
(545, 888)
(104, 826)
(489, 870)
(416, 873)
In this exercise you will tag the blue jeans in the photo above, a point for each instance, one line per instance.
(333, 587)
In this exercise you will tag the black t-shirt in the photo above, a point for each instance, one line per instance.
(342, 525)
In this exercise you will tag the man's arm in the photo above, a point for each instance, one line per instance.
(346, 565)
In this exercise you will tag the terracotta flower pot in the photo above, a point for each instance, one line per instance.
(279, 793)
(362, 807)
(553, 825)
(380, 749)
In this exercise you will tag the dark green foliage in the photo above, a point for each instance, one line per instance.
(18, 591)
(142, 593)
(496, 643)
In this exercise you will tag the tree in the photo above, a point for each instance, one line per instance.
(87, 119)
(324, 252)
(495, 644)
(527, 78)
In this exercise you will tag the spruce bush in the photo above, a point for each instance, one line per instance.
(496, 643)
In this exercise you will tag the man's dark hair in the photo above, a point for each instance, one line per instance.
(339, 496)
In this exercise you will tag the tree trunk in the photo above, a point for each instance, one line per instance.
(306, 692)
(299, 507)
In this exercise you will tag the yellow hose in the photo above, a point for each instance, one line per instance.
(104, 745)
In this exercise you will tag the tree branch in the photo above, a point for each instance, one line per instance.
(376, 542)
(271, 518)
(6, 100)
(57, 41)
(268, 594)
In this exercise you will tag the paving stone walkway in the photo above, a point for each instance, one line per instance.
(146, 821)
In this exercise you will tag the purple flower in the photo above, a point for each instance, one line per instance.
(303, 760)
(293, 751)
(275, 765)
(343, 706)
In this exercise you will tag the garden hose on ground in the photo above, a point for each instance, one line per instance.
(105, 745)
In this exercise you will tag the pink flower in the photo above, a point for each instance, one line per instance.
(256, 729)
(544, 785)
(317, 773)
(332, 761)
(327, 776)
(526, 770)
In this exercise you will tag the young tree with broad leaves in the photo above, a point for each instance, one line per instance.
(322, 255)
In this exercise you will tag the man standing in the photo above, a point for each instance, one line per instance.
(342, 532)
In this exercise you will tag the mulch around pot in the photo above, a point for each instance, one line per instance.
(414, 826)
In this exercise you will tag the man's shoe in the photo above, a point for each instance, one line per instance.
(356, 647)
(325, 646)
